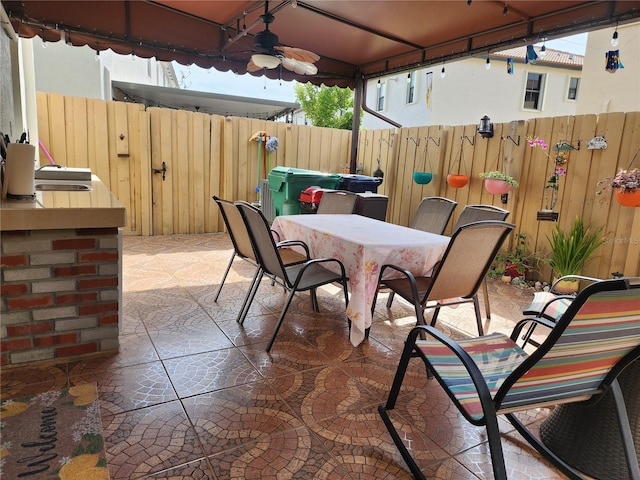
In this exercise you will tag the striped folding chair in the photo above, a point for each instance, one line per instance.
(588, 347)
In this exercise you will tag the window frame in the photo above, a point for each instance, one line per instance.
(577, 89)
(381, 94)
(540, 92)
(410, 94)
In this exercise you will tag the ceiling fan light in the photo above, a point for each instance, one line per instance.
(265, 61)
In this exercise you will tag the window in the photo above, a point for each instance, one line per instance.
(411, 87)
(533, 91)
(382, 88)
(574, 83)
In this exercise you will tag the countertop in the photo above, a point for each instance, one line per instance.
(52, 210)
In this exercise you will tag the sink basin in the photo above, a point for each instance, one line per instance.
(70, 187)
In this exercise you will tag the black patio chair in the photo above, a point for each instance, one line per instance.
(295, 278)
(456, 278)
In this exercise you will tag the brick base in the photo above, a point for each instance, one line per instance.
(60, 293)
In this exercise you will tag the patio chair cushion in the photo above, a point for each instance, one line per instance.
(496, 356)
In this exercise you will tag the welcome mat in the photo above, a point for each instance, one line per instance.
(52, 435)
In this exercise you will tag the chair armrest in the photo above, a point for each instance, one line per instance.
(327, 260)
(525, 321)
(572, 278)
(294, 243)
(276, 235)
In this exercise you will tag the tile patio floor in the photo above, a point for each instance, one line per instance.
(193, 395)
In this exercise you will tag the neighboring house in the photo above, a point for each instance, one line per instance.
(109, 76)
(92, 72)
(558, 84)
(469, 90)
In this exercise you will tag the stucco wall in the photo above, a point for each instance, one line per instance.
(601, 91)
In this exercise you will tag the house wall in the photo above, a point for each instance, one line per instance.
(468, 92)
(602, 91)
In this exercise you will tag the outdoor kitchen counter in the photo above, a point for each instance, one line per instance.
(61, 287)
(97, 208)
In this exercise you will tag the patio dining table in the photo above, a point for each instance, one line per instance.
(363, 245)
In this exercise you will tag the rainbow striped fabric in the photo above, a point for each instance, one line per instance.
(604, 330)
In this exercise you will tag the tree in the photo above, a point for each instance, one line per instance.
(326, 106)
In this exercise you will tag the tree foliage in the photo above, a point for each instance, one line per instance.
(326, 106)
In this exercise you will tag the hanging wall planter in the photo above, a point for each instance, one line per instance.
(422, 178)
(459, 180)
(498, 183)
(628, 199)
(456, 180)
(496, 187)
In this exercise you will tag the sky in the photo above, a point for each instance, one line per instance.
(228, 83)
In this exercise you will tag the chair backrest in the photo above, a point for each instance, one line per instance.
(262, 240)
(593, 341)
(467, 259)
(236, 228)
(338, 202)
(477, 213)
(433, 214)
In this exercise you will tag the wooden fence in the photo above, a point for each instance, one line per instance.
(203, 155)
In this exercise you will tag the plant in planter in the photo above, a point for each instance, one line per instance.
(626, 185)
(498, 183)
(516, 263)
(570, 251)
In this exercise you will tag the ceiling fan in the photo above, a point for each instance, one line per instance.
(273, 54)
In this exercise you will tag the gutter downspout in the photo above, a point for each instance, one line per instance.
(360, 98)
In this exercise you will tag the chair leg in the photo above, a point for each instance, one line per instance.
(391, 402)
(224, 277)
(485, 292)
(495, 446)
(284, 312)
(543, 449)
(255, 283)
(625, 431)
(413, 467)
(314, 301)
(390, 299)
(476, 307)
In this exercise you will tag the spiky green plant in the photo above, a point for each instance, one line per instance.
(570, 250)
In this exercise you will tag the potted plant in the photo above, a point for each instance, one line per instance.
(570, 250)
(516, 263)
(626, 186)
(498, 183)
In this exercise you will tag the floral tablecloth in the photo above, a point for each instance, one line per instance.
(363, 245)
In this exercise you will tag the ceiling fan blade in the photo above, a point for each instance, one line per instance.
(301, 68)
(298, 54)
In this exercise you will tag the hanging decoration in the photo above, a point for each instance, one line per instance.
(531, 56)
(429, 89)
(613, 61)
(597, 143)
(510, 66)
(552, 185)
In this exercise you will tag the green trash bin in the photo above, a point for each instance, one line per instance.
(286, 184)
